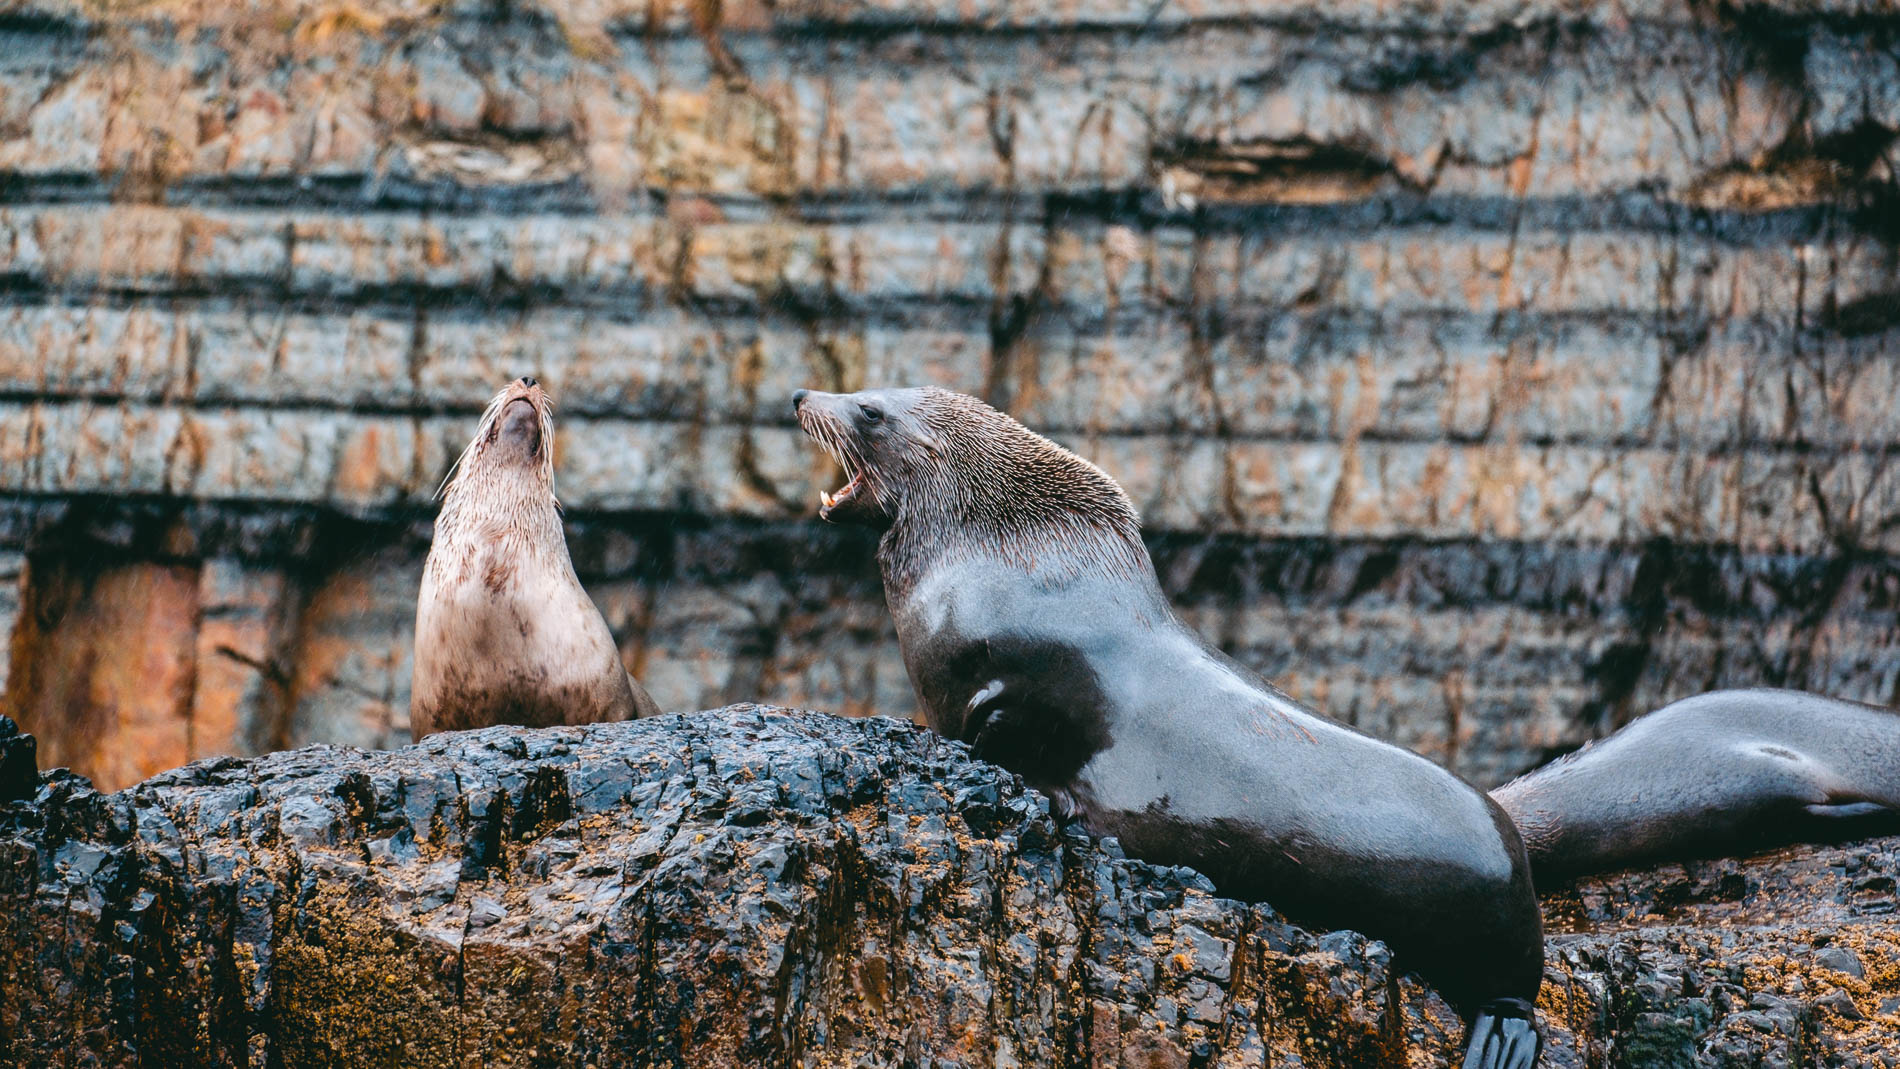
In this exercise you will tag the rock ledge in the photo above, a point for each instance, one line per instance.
(764, 887)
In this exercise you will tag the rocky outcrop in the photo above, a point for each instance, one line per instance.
(1486, 372)
(763, 887)
(19, 763)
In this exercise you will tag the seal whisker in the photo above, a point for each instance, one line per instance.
(475, 444)
(545, 410)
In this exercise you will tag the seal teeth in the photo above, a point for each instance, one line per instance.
(831, 500)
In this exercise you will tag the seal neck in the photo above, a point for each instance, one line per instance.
(508, 503)
(1050, 525)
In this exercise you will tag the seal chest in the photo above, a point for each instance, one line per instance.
(505, 634)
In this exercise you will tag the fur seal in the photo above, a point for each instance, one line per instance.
(504, 632)
(1715, 775)
(1034, 628)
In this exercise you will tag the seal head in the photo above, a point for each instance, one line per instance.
(505, 634)
(942, 472)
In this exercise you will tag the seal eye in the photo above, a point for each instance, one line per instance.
(871, 413)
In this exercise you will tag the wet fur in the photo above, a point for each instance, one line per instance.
(505, 634)
(973, 481)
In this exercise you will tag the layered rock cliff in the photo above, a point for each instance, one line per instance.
(1487, 373)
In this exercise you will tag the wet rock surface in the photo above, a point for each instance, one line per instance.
(754, 886)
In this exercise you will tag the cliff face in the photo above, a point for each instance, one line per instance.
(1486, 373)
(768, 888)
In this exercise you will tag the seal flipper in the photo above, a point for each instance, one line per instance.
(1504, 1036)
(1847, 810)
(1846, 821)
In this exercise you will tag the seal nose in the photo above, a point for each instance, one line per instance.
(798, 398)
(528, 380)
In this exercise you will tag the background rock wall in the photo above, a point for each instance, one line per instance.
(1487, 373)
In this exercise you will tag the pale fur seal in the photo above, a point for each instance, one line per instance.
(504, 632)
(1709, 776)
(1034, 628)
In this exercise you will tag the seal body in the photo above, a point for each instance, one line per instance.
(1034, 628)
(1714, 775)
(1087, 686)
(505, 634)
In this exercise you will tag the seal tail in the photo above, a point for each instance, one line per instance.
(1504, 1036)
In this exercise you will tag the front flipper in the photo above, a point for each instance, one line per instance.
(1847, 810)
(979, 711)
(1020, 741)
(1846, 821)
(1504, 1036)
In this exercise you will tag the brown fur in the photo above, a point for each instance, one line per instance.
(504, 632)
(956, 474)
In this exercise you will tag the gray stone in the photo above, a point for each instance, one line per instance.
(1840, 960)
(479, 892)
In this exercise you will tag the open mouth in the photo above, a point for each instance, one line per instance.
(845, 493)
(857, 498)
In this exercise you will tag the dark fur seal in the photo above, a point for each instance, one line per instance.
(1033, 627)
(504, 632)
(1711, 776)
